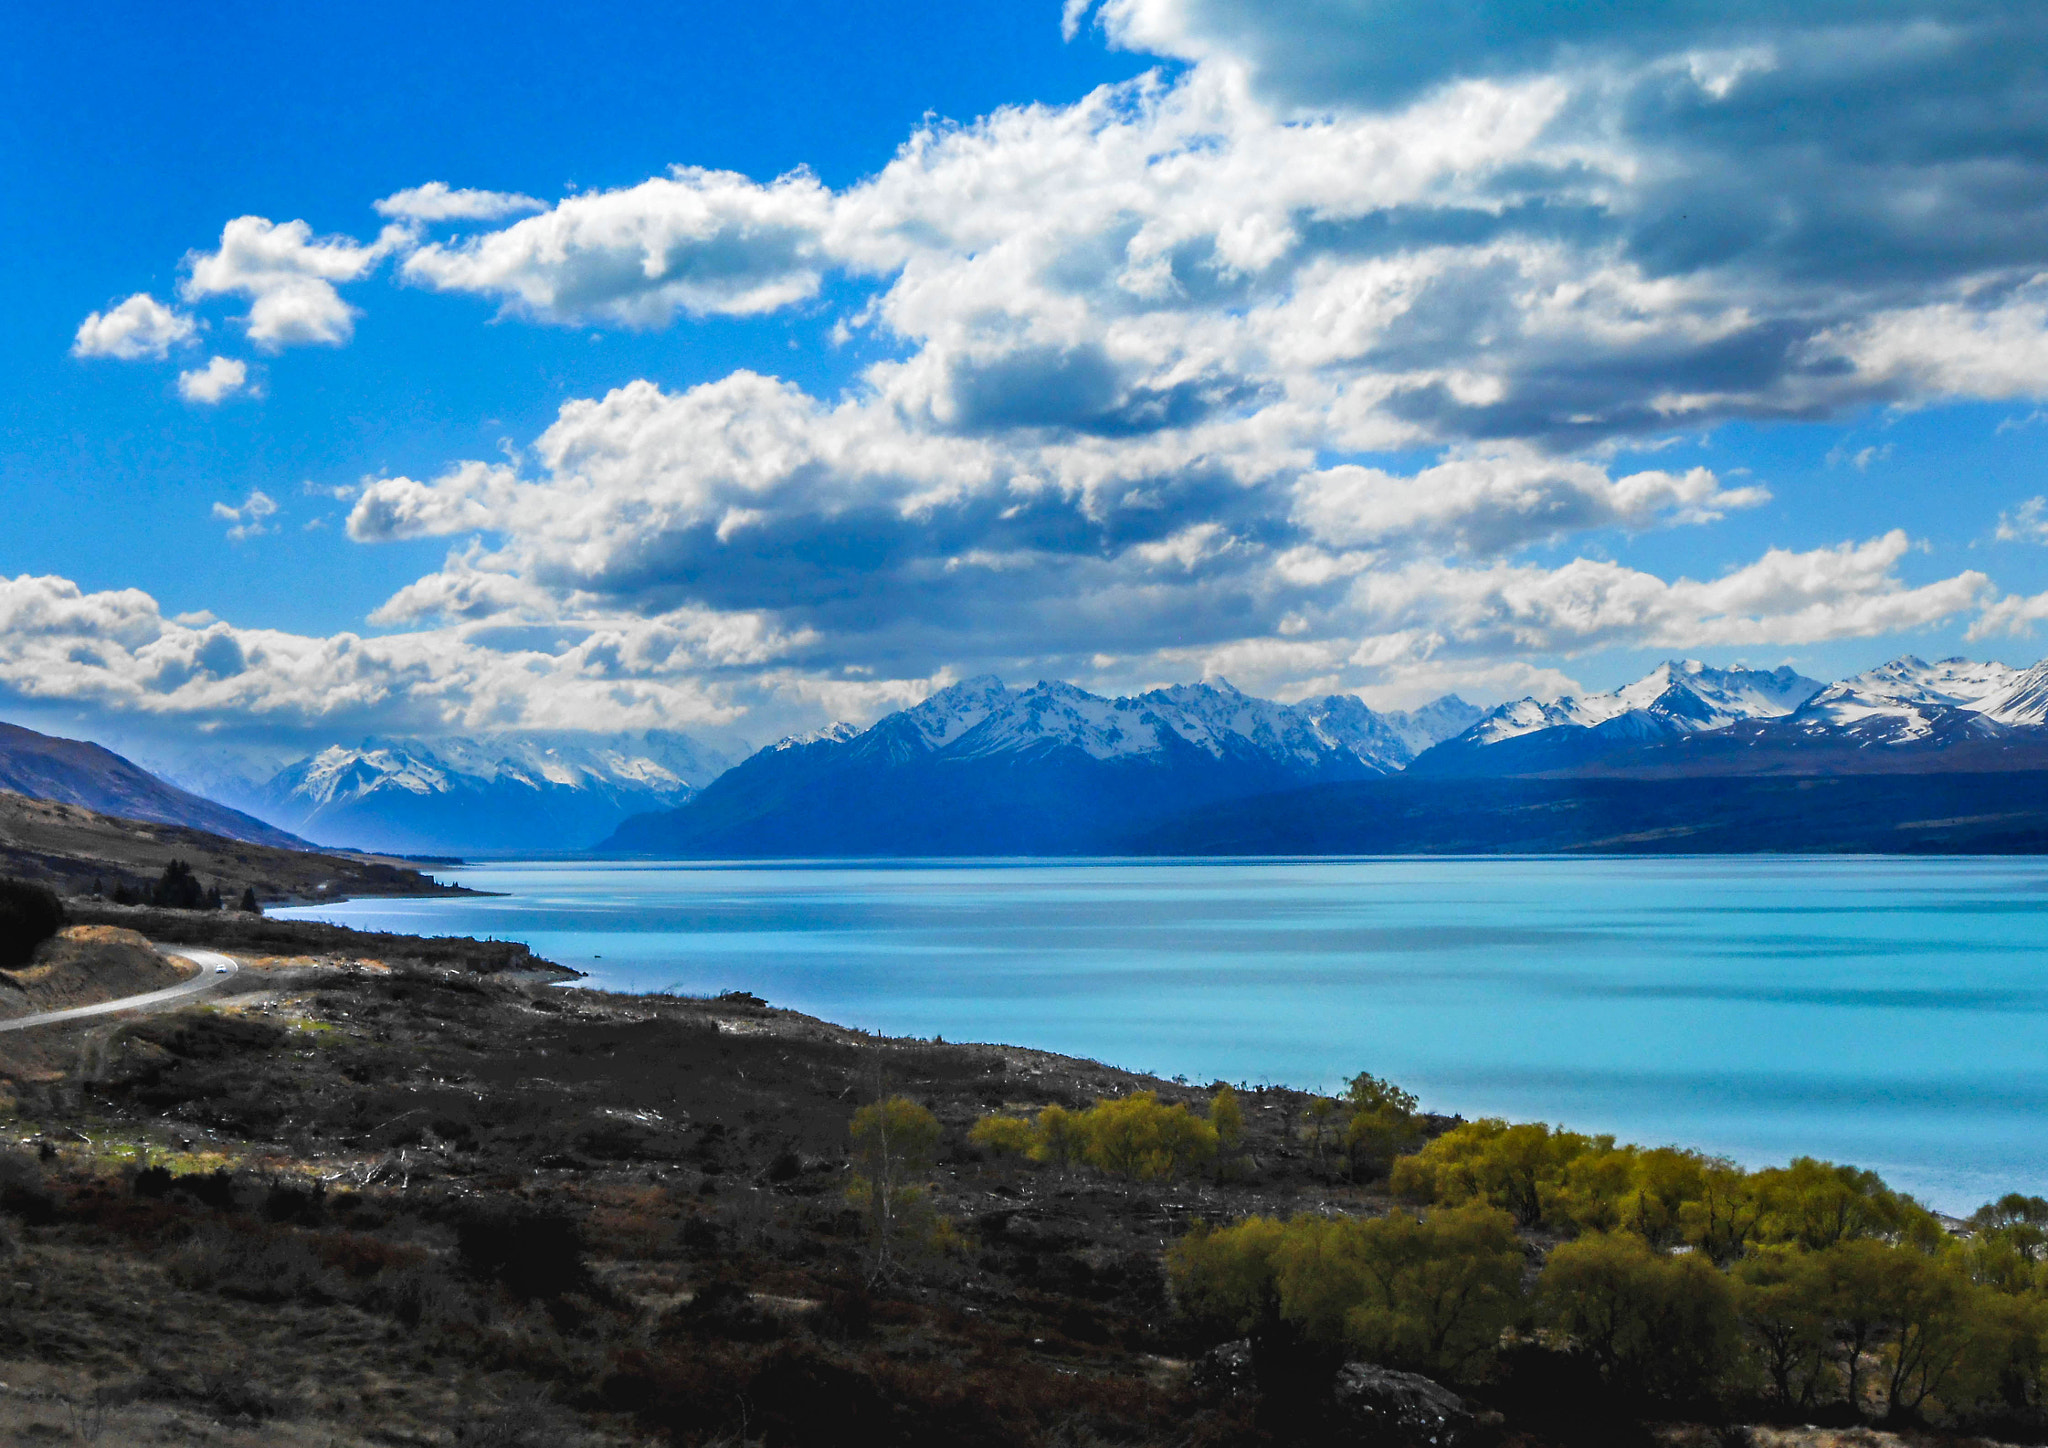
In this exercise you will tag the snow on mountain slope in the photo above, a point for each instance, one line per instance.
(539, 791)
(979, 768)
(1432, 723)
(1908, 698)
(2021, 699)
(981, 718)
(1680, 696)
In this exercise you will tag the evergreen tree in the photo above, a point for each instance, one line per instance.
(249, 904)
(179, 888)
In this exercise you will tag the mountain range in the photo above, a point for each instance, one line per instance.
(984, 769)
(980, 768)
(526, 793)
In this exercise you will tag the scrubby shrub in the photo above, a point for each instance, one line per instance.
(29, 915)
(1059, 1137)
(1137, 1136)
(1003, 1136)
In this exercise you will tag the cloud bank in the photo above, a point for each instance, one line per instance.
(1289, 361)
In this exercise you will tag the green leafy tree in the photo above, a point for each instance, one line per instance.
(1724, 1214)
(1438, 1290)
(1367, 1092)
(1660, 1325)
(1383, 1125)
(1224, 1278)
(1783, 1304)
(1816, 1204)
(1431, 1294)
(2008, 1244)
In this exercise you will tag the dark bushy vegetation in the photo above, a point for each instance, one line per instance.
(1684, 1283)
(29, 915)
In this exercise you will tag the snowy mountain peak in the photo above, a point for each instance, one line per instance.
(538, 790)
(954, 710)
(1906, 698)
(980, 717)
(1678, 696)
(837, 733)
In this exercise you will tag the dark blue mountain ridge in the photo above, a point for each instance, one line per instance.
(73, 771)
(982, 769)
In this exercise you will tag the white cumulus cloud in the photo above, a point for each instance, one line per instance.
(697, 242)
(288, 276)
(219, 379)
(437, 201)
(140, 327)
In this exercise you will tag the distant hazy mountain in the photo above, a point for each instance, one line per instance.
(527, 793)
(71, 771)
(981, 769)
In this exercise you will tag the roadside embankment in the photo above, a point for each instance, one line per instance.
(83, 965)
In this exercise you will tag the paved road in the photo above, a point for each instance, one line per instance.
(211, 974)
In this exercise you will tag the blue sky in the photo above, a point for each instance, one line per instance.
(779, 363)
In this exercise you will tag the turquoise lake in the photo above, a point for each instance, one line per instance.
(1887, 1012)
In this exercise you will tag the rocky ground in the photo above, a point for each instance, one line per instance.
(372, 1199)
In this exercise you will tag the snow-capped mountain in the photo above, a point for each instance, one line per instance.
(527, 792)
(1907, 699)
(980, 768)
(1680, 696)
(1685, 719)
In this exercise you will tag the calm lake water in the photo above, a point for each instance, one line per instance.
(1883, 1011)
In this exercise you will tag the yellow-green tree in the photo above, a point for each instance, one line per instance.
(1224, 1276)
(1430, 1294)
(1656, 1324)
(1227, 1116)
(1138, 1136)
(1438, 1289)
(1782, 1303)
(1058, 1137)
(895, 1146)
(1519, 1168)
(1003, 1136)
(1383, 1125)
